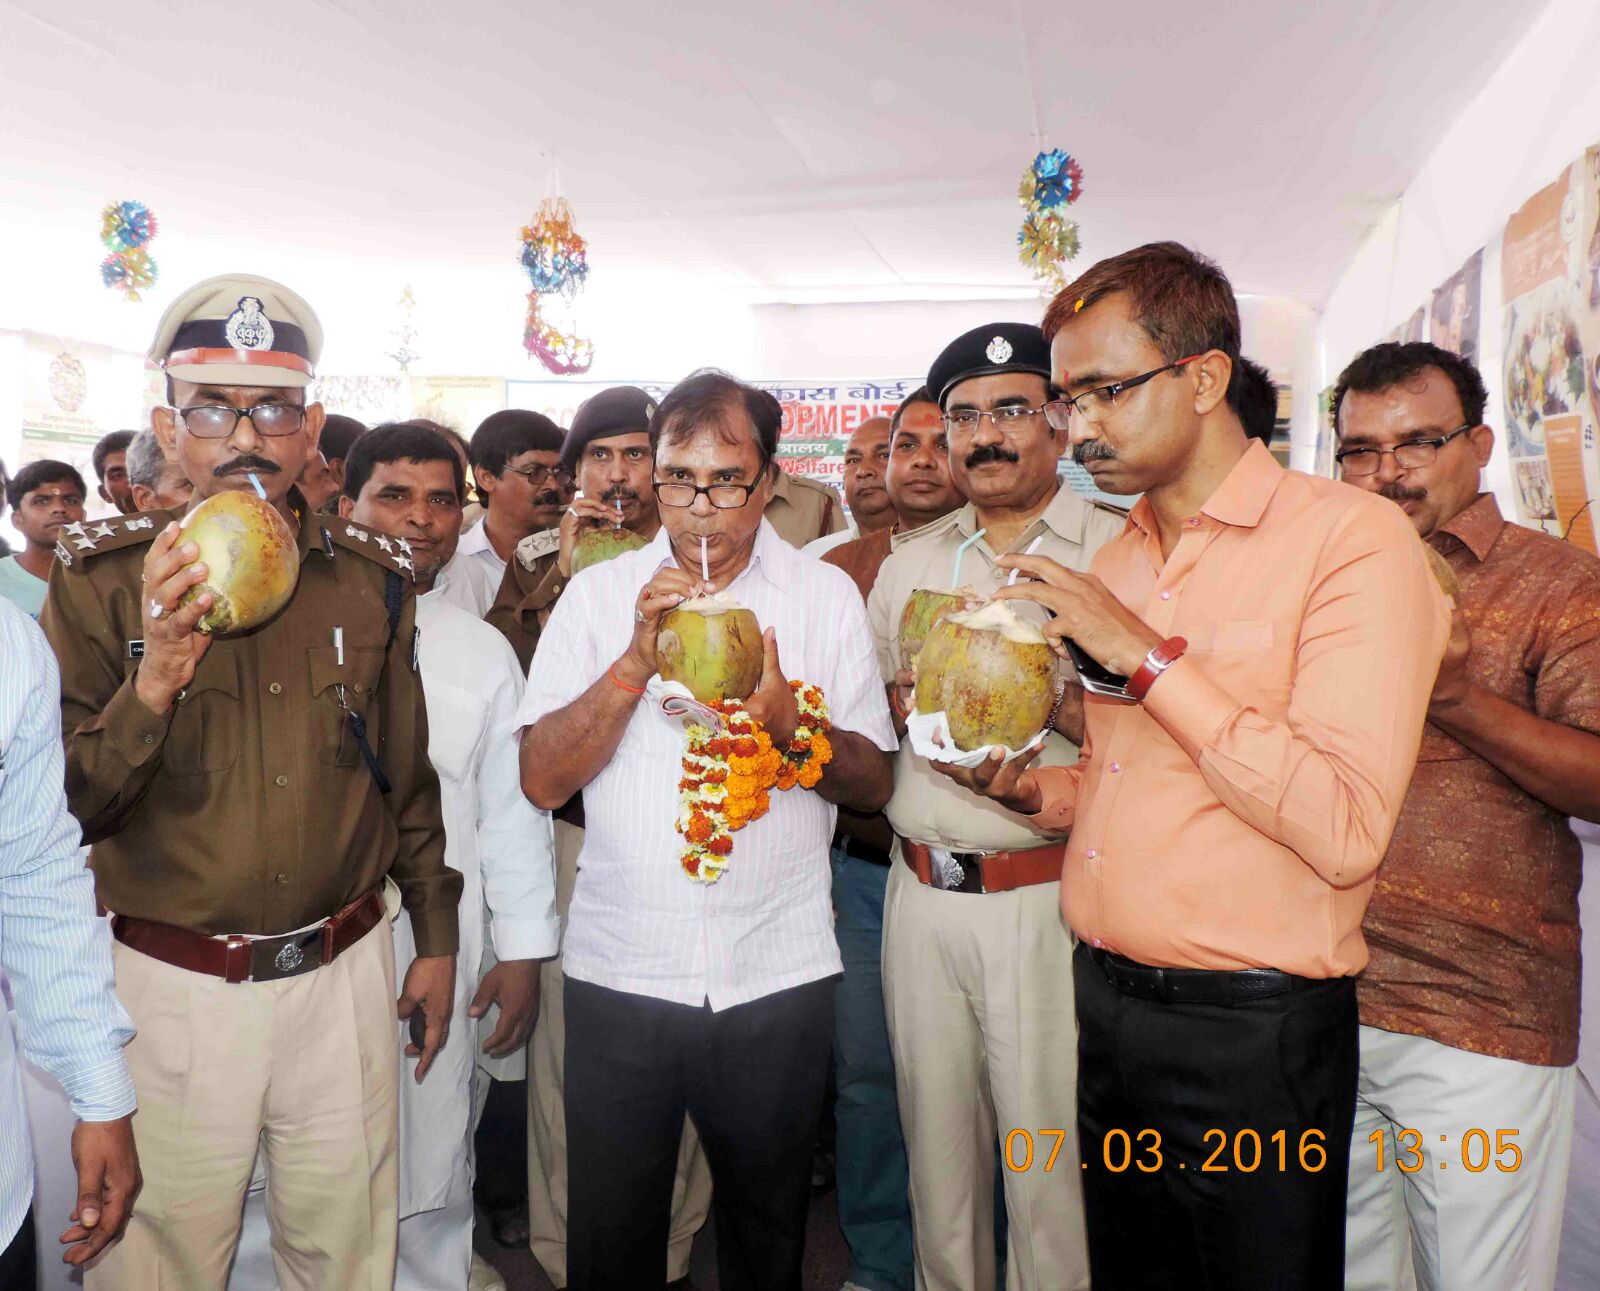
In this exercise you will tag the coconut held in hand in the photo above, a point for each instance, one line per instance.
(597, 545)
(991, 673)
(1439, 567)
(251, 560)
(925, 607)
(712, 645)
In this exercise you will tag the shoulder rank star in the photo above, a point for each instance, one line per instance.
(384, 545)
(102, 530)
(403, 563)
(405, 547)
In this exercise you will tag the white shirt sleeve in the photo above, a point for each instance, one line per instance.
(857, 701)
(516, 849)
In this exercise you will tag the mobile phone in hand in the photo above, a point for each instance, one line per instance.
(419, 1026)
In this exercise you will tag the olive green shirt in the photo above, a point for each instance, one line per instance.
(528, 592)
(927, 807)
(247, 807)
(803, 510)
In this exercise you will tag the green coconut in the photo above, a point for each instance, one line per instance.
(251, 560)
(712, 645)
(597, 545)
(923, 608)
(991, 673)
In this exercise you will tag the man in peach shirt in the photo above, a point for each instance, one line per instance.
(1279, 636)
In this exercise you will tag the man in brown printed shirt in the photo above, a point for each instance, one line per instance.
(1469, 1006)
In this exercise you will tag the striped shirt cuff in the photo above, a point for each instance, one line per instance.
(103, 1092)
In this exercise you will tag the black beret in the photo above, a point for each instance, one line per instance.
(987, 350)
(622, 410)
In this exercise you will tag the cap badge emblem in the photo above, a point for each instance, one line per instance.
(248, 328)
(999, 350)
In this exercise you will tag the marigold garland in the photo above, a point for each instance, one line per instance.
(728, 775)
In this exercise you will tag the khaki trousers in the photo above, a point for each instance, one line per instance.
(979, 995)
(302, 1068)
(547, 1117)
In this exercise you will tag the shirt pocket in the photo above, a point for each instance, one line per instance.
(207, 725)
(331, 707)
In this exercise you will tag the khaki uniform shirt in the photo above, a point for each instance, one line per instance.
(927, 807)
(803, 510)
(247, 807)
(528, 593)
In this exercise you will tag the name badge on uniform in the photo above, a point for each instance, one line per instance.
(136, 649)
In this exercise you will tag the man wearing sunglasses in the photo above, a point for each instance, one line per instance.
(516, 461)
(245, 800)
(1469, 1006)
(1274, 638)
(976, 965)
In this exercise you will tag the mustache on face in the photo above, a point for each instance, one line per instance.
(247, 462)
(986, 453)
(1398, 492)
(549, 498)
(626, 494)
(1092, 450)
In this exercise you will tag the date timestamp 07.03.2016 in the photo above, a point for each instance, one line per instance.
(1246, 1151)
(1243, 1152)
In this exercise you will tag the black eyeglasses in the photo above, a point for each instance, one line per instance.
(1094, 406)
(1409, 456)
(725, 497)
(968, 420)
(537, 474)
(217, 420)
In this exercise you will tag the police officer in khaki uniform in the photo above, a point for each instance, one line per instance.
(803, 510)
(607, 453)
(245, 799)
(976, 962)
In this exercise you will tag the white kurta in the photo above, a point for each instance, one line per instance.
(502, 846)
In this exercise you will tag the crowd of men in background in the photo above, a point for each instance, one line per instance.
(1287, 883)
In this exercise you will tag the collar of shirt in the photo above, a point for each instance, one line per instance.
(1240, 500)
(475, 540)
(1065, 516)
(1476, 527)
(771, 558)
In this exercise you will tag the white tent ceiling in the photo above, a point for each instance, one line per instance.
(833, 150)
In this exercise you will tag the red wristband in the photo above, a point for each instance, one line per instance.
(1155, 663)
(620, 684)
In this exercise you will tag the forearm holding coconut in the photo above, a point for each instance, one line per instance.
(564, 750)
(860, 776)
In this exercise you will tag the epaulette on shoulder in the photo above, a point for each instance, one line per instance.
(933, 529)
(816, 486)
(392, 554)
(537, 545)
(78, 541)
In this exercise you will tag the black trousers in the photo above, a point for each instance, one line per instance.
(1215, 1138)
(19, 1261)
(751, 1076)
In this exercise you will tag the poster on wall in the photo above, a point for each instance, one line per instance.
(1453, 319)
(460, 403)
(1413, 329)
(817, 417)
(69, 399)
(369, 399)
(1544, 374)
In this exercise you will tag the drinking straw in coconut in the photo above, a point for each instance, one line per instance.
(256, 482)
(705, 566)
(1032, 547)
(617, 502)
(955, 574)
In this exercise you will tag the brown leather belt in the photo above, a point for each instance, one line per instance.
(261, 959)
(984, 871)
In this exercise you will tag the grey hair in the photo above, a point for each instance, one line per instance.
(146, 461)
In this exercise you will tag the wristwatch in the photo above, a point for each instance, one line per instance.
(1155, 663)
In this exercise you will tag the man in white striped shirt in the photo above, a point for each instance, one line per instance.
(713, 998)
(56, 957)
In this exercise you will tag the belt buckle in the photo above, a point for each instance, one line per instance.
(275, 958)
(947, 873)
